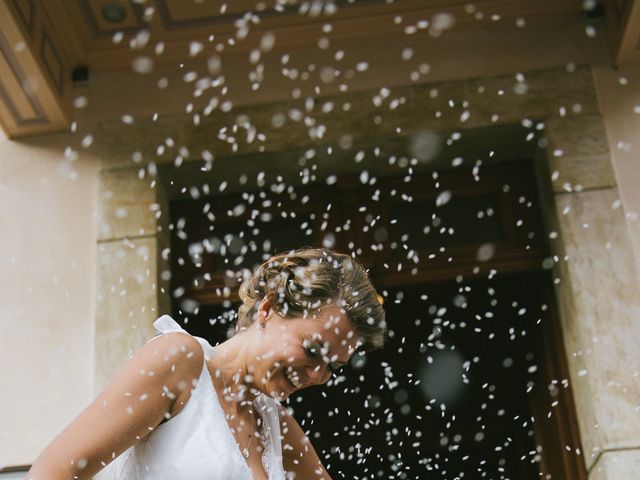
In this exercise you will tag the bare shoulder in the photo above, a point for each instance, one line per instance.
(172, 360)
(178, 351)
(149, 388)
(179, 358)
(169, 365)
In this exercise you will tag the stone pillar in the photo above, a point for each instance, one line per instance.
(129, 291)
(598, 294)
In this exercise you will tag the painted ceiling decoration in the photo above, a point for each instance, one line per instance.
(42, 42)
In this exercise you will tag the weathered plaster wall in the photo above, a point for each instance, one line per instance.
(47, 279)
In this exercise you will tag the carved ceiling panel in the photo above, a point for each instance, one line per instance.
(41, 42)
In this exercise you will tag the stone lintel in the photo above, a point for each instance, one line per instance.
(366, 117)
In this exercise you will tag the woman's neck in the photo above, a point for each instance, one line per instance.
(231, 367)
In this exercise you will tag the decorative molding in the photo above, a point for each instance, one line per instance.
(87, 11)
(27, 17)
(353, 21)
(170, 23)
(34, 97)
(51, 60)
(40, 118)
(6, 99)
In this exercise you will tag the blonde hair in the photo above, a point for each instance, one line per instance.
(301, 282)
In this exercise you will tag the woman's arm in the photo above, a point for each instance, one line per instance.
(298, 455)
(153, 384)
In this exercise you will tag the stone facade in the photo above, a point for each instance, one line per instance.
(597, 288)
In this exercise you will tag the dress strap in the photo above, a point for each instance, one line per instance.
(166, 324)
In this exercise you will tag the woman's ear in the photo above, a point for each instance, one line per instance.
(264, 312)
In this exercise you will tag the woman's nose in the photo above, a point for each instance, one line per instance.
(318, 374)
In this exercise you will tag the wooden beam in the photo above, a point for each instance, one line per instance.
(177, 27)
(35, 84)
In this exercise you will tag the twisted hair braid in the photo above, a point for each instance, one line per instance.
(302, 282)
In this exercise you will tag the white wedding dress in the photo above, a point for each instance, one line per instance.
(197, 444)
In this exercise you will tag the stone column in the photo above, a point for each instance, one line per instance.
(132, 233)
(598, 294)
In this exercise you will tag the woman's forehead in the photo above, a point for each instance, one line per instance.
(335, 328)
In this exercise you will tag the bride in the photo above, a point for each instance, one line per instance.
(182, 409)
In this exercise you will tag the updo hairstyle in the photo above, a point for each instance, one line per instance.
(302, 282)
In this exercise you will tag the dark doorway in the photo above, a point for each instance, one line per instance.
(449, 395)
(472, 383)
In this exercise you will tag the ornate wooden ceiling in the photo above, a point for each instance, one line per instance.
(238, 24)
(41, 42)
